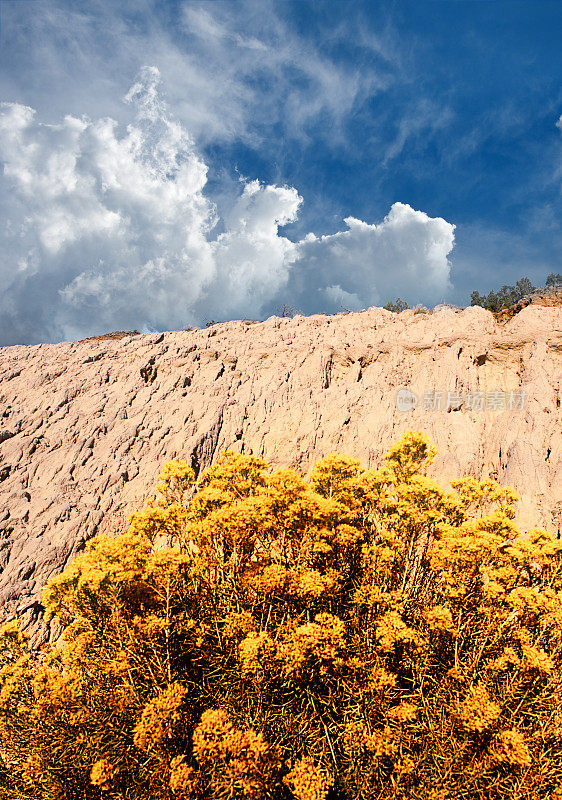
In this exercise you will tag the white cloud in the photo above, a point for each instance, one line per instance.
(256, 67)
(406, 254)
(109, 228)
(336, 296)
(252, 259)
(424, 119)
(233, 71)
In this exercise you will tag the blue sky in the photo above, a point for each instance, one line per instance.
(327, 155)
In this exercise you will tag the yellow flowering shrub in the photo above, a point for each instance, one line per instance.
(257, 635)
(256, 654)
(477, 712)
(102, 774)
(307, 781)
(159, 719)
(509, 749)
(228, 761)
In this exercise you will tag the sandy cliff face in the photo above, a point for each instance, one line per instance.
(84, 427)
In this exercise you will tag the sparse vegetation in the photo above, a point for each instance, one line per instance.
(504, 297)
(361, 634)
(113, 335)
(287, 310)
(397, 306)
(554, 279)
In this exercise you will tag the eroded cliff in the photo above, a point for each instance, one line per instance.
(85, 426)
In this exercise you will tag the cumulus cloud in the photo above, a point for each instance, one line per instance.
(406, 254)
(108, 228)
(338, 297)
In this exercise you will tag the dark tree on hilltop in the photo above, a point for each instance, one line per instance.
(554, 279)
(504, 297)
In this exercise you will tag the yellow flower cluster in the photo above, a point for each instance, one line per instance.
(102, 774)
(379, 744)
(477, 712)
(404, 713)
(392, 631)
(312, 647)
(159, 719)
(183, 778)
(228, 759)
(257, 652)
(308, 781)
(440, 620)
(509, 748)
(238, 624)
(253, 634)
